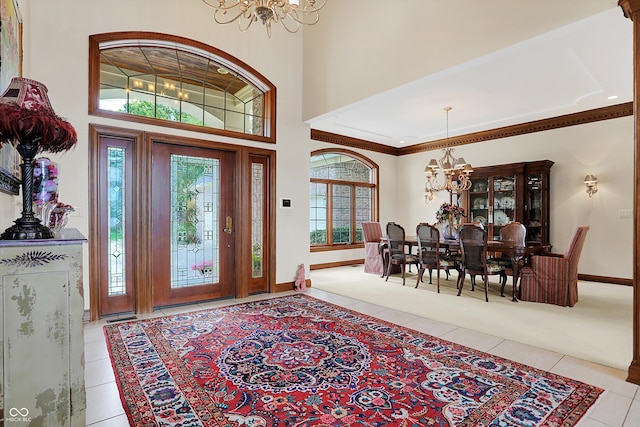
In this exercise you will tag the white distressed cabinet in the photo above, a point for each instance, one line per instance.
(42, 354)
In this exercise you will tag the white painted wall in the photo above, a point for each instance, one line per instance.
(366, 47)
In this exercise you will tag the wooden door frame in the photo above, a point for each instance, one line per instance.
(142, 164)
(256, 284)
(163, 177)
(631, 10)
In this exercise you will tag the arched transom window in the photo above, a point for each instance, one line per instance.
(180, 82)
(343, 195)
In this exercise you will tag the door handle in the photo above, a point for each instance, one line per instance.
(228, 229)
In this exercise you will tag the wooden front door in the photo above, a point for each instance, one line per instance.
(193, 233)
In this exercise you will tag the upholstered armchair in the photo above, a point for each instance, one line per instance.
(372, 233)
(553, 278)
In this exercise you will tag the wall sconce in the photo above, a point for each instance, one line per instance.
(592, 184)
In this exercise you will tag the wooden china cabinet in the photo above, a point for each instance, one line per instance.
(511, 192)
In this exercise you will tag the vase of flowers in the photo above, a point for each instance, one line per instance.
(205, 267)
(450, 216)
(45, 181)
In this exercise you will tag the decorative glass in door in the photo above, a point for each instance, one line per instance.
(116, 271)
(195, 201)
(115, 260)
(257, 219)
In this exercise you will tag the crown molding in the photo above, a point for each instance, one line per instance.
(629, 7)
(347, 141)
(574, 119)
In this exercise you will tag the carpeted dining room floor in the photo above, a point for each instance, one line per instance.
(597, 329)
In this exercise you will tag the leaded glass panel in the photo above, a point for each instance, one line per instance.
(195, 201)
(257, 220)
(158, 82)
(116, 220)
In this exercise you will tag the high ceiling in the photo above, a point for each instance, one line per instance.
(575, 68)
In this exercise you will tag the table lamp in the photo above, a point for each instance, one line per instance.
(28, 121)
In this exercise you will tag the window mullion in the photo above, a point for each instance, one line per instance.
(330, 214)
(354, 237)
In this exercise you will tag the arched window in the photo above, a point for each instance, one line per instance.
(177, 82)
(344, 194)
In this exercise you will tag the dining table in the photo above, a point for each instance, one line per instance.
(518, 254)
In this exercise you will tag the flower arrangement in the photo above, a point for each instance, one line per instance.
(203, 266)
(450, 213)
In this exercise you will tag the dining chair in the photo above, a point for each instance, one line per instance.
(473, 245)
(514, 233)
(430, 255)
(553, 278)
(372, 235)
(398, 254)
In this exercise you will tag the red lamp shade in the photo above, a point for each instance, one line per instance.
(26, 114)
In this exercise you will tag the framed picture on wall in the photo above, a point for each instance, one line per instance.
(10, 66)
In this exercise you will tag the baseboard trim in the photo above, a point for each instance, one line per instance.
(86, 316)
(585, 277)
(336, 264)
(288, 286)
(634, 373)
(604, 279)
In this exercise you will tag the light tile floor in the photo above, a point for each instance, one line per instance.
(618, 407)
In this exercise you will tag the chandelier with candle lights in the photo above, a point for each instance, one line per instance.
(456, 172)
(289, 13)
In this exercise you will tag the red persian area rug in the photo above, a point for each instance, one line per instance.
(298, 361)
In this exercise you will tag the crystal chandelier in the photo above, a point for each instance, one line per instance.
(456, 172)
(288, 13)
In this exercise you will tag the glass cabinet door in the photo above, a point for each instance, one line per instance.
(479, 201)
(503, 204)
(534, 208)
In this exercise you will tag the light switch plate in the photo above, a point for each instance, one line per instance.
(625, 214)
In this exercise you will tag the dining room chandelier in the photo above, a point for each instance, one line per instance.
(289, 13)
(456, 172)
